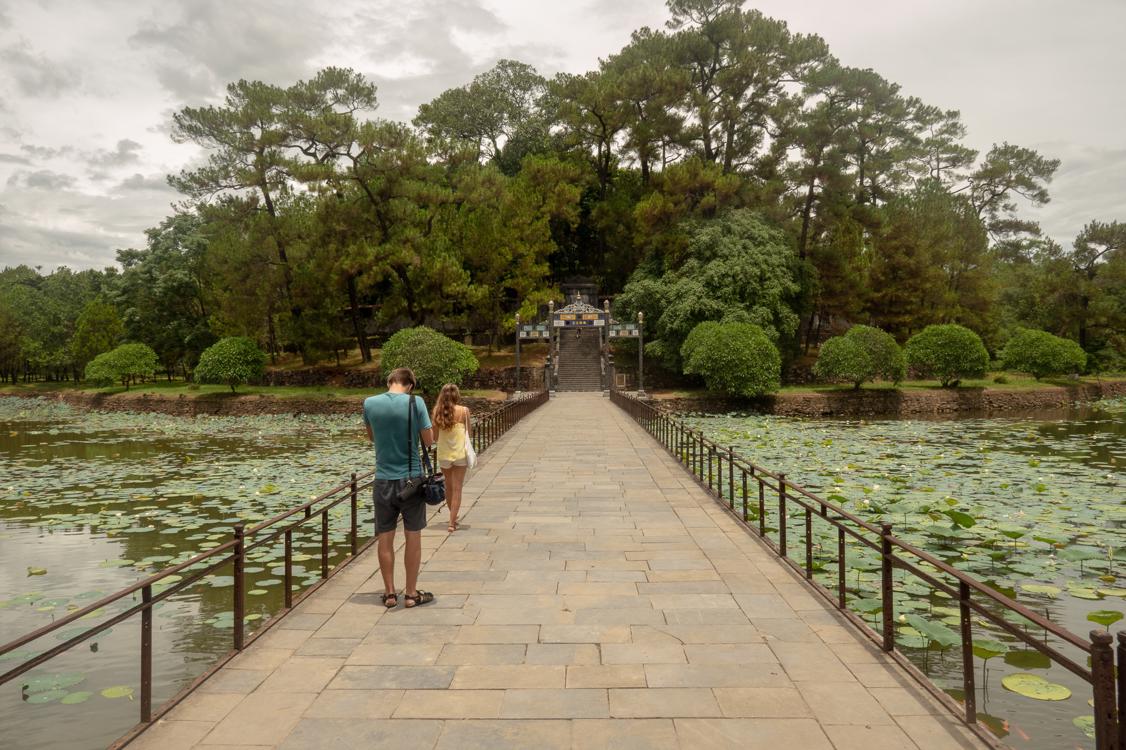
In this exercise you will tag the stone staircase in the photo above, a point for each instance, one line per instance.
(579, 360)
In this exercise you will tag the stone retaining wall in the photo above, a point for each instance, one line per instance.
(498, 379)
(232, 405)
(891, 403)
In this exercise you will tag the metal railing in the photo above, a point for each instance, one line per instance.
(486, 429)
(751, 493)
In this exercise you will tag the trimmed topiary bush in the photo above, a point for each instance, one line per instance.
(733, 358)
(125, 363)
(1039, 353)
(947, 352)
(863, 353)
(434, 358)
(232, 361)
(842, 358)
(888, 360)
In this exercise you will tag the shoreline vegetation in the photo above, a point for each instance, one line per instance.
(910, 398)
(188, 399)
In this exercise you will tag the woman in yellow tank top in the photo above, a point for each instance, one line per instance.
(451, 432)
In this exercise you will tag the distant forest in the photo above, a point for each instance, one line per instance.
(721, 168)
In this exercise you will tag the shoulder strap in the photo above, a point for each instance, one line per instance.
(410, 440)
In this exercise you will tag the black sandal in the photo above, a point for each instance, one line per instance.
(420, 598)
(391, 600)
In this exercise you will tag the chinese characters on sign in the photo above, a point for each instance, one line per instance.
(567, 320)
(624, 330)
(534, 331)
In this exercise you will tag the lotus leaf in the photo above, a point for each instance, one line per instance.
(935, 632)
(1105, 617)
(984, 649)
(1080, 553)
(118, 691)
(1035, 687)
(53, 682)
(1084, 593)
(1040, 588)
(47, 696)
(78, 697)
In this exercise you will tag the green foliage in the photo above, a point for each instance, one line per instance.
(862, 353)
(434, 358)
(888, 360)
(126, 364)
(1040, 353)
(233, 361)
(163, 293)
(736, 265)
(844, 358)
(948, 352)
(724, 168)
(97, 330)
(738, 359)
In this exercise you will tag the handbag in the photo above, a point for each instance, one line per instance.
(470, 452)
(431, 486)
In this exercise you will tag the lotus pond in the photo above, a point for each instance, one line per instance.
(1033, 505)
(92, 502)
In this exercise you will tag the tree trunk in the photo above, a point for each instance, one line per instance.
(357, 329)
(272, 343)
(1084, 304)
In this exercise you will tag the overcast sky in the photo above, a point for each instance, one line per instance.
(87, 87)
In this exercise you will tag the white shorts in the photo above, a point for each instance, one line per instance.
(448, 464)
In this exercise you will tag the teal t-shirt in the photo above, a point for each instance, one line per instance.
(386, 414)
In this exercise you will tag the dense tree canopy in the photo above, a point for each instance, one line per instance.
(721, 168)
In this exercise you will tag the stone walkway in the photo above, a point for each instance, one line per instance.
(595, 597)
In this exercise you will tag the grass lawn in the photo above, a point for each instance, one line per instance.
(181, 388)
(531, 355)
(1015, 383)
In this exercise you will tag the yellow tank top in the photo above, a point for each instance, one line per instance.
(451, 443)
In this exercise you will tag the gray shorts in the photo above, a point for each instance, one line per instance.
(388, 507)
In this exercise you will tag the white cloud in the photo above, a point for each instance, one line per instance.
(87, 89)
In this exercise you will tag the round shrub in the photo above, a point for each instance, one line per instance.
(434, 358)
(1039, 353)
(233, 361)
(863, 353)
(844, 358)
(888, 360)
(947, 352)
(125, 363)
(733, 358)
(697, 335)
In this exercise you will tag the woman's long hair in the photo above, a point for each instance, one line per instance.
(445, 416)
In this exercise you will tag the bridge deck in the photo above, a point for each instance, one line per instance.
(595, 597)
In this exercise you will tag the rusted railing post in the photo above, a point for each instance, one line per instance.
(240, 586)
(324, 543)
(711, 460)
(146, 655)
(1121, 689)
(967, 652)
(808, 544)
(288, 576)
(353, 533)
(745, 515)
(761, 504)
(887, 588)
(782, 515)
(1102, 685)
(731, 477)
(841, 565)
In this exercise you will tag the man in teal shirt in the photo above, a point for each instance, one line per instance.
(386, 420)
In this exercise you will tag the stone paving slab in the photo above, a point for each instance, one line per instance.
(595, 597)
